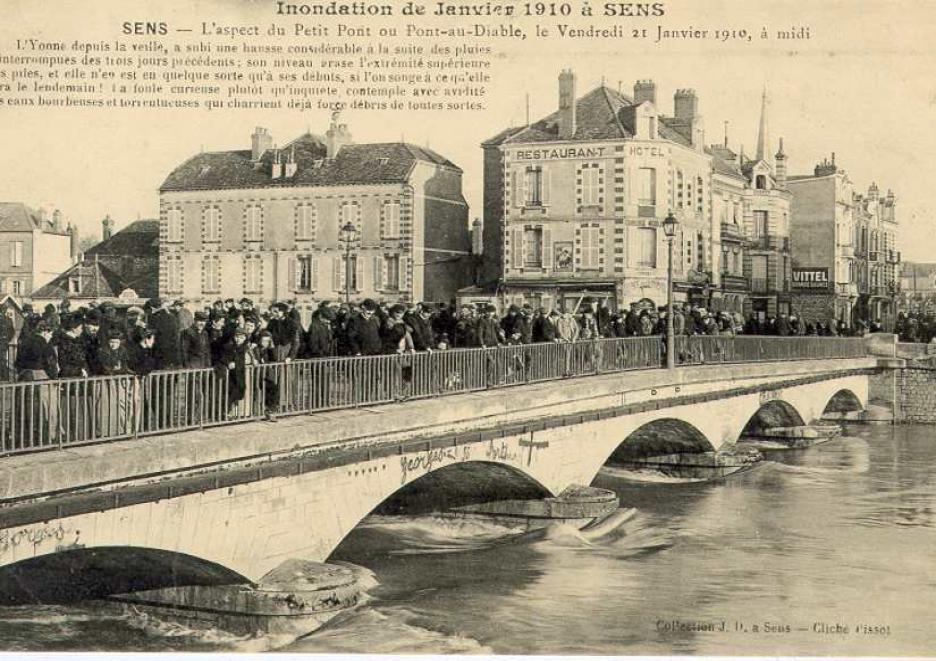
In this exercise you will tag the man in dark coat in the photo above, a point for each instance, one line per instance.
(167, 350)
(320, 339)
(7, 332)
(73, 362)
(91, 337)
(364, 331)
(466, 335)
(196, 344)
(489, 331)
(141, 354)
(285, 332)
(421, 324)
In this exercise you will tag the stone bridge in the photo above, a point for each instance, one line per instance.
(230, 504)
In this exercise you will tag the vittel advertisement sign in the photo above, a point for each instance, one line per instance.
(811, 278)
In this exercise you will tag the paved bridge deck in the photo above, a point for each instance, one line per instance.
(148, 459)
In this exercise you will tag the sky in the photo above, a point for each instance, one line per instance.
(862, 87)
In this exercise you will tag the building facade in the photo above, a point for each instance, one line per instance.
(34, 248)
(846, 265)
(265, 223)
(918, 287)
(574, 203)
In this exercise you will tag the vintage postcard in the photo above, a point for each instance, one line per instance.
(468, 327)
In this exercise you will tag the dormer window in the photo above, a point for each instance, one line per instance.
(383, 161)
(760, 182)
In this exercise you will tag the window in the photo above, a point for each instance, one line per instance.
(534, 186)
(760, 224)
(700, 198)
(590, 178)
(391, 220)
(646, 247)
(174, 275)
(306, 275)
(354, 267)
(760, 182)
(74, 285)
(533, 247)
(759, 273)
(387, 272)
(253, 223)
(253, 275)
(646, 191)
(17, 287)
(589, 246)
(350, 212)
(16, 258)
(305, 221)
(211, 275)
(174, 225)
(211, 219)
(700, 251)
(679, 188)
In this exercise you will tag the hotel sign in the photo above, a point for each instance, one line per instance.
(811, 278)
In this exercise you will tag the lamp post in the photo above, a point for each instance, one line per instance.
(347, 237)
(669, 229)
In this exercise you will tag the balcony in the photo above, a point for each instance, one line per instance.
(893, 256)
(766, 286)
(731, 231)
(734, 282)
(770, 242)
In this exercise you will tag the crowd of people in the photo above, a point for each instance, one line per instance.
(916, 326)
(167, 335)
(230, 336)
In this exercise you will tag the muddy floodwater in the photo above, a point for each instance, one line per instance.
(829, 551)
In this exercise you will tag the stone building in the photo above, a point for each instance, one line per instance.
(34, 248)
(264, 222)
(877, 255)
(573, 202)
(125, 265)
(846, 266)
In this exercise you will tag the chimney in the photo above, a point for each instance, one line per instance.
(780, 171)
(57, 220)
(336, 137)
(644, 90)
(73, 241)
(107, 228)
(290, 170)
(276, 165)
(260, 142)
(566, 104)
(43, 216)
(873, 192)
(477, 239)
(685, 104)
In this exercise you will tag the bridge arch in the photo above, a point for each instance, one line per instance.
(89, 573)
(773, 413)
(659, 437)
(843, 401)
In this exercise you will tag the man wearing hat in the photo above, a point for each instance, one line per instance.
(285, 332)
(196, 344)
(183, 314)
(36, 361)
(420, 322)
(165, 327)
(91, 337)
(488, 330)
(364, 331)
(73, 362)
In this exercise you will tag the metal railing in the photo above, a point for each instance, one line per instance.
(51, 414)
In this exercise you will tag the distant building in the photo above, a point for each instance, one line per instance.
(34, 248)
(124, 265)
(265, 222)
(845, 261)
(918, 286)
(574, 202)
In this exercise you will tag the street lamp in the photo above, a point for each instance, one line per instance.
(347, 237)
(669, 229)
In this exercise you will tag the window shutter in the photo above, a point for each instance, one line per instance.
(402, 275)
(544, 194)
(378, 273)
(516, 248)
(359, 274)
(313, 273)
(292, 266)
(515, 185)
(547, 248)
(338, 273)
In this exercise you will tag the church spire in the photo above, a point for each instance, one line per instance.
(763, 134)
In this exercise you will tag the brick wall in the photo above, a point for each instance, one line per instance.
(916, 393)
